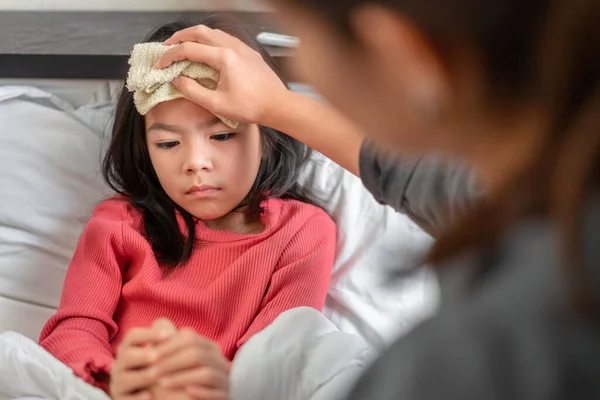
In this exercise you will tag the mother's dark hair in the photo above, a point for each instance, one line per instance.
(545, 52)
(128, 169)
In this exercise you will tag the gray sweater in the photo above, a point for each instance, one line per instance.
(507, 335)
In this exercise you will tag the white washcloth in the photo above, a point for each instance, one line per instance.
(151, 86)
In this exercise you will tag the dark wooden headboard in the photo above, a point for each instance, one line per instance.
(90, 45)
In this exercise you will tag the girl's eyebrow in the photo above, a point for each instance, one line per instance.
(158, 126)
(209, 124)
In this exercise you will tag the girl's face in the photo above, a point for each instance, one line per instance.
(203, 165)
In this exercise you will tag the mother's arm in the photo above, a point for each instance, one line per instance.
(429, 190)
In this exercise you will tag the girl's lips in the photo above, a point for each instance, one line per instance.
(203, 191)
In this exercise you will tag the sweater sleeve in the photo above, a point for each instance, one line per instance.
(302, 276)
(430, 190)
(79, 334)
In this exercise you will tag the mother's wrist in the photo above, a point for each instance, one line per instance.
(275, 115)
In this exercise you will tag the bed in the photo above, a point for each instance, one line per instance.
(59, 72)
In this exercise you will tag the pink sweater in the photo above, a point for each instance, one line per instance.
(233, 286)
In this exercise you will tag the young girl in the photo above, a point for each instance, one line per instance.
(210, 231)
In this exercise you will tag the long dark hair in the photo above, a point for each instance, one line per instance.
(547, 51)
(128, 169)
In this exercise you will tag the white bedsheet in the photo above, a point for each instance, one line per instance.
(301, 356)
(27, 370)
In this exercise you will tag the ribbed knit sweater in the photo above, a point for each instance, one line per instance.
(233, 286)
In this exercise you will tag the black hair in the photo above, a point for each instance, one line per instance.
(128, 170)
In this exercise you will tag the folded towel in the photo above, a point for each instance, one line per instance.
(151, 86)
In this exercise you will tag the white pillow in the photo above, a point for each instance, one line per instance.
(373, 241)
(49, 175)
(49, 172)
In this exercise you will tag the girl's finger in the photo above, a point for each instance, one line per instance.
(186, 359)
(140, 395)
(136, 357)
(132, 381)
(206, 377)
(164, 324)
(212, 56)
(202, 393)
(187, 340)
(142, 336)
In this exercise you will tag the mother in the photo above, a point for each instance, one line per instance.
(510, 87)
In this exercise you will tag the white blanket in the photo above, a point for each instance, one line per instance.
(27, 370)
(300, 356)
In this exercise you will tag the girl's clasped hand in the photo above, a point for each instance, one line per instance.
(161, 363)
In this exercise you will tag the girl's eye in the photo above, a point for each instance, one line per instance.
(167, 145)
(221, 137)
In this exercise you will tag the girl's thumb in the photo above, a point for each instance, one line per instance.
(164, 327)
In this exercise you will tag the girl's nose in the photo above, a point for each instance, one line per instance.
(199, 159)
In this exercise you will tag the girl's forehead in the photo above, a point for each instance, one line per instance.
(179, 109)
(182, 113)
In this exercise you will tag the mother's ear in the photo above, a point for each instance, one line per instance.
(402, 55)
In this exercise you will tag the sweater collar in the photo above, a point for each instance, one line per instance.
(269, 217)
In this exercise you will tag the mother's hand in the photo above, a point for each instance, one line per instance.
(248, 90)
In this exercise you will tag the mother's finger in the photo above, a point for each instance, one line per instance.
(196, 93)
(199, 34)
(213, 56)
(204, 35)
